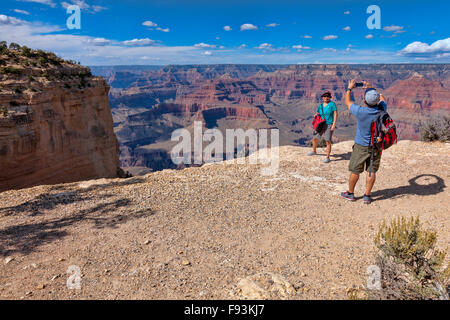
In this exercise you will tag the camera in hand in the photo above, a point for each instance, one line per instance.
(359, 84)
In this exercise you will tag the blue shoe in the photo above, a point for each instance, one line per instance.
(349, 196)
(326, 160)
(311, 153)
(367, 199)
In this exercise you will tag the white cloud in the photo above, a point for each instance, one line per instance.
(7, 20)
(149, 23)
(98, 8)
(83, 6)
(207, 53)
(163, 30)
(347, 12)
(273, 24)
(227, 28)
(307, 37)
(98, 41)
(152, 25)
(330, 37)
(248, 26)
(204, 45)
(421, 47)
(265, 46)
(347, 28)
(329, 49)
(299, 47)
(393, 28)
(242, 46)
(46, 2)
(21, 11)
(139, 42)
(369, 36)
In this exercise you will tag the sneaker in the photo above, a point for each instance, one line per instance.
(311, 153)
(326, 160)
(349, 196)
(367, 199)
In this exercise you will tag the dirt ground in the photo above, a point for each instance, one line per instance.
(203, 233)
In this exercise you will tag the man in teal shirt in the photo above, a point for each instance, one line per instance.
(327, 111)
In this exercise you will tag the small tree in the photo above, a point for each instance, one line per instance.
(14, 46)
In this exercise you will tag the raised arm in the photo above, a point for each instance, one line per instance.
(348, 99)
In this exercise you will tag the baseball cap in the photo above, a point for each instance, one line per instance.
(372, 97)
(326, 94)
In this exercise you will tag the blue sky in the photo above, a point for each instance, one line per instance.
(198, 31)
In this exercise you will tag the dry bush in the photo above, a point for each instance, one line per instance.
(410, 265)
(436, 130)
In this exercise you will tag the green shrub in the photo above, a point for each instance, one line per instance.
(411, 268)
(14, 46)
(26, 52)
(9, 70)
(436, 130)
(17, 90)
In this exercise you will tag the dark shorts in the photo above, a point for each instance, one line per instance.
(327, 134)
(361, 158)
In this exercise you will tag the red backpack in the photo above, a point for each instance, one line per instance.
(383, 133)
(319, 123)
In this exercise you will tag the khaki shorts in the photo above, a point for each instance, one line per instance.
(327, 134)
(361, 158)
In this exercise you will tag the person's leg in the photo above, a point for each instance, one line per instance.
(314, 143)
(328, 148)
(370, 181)
(352, 180)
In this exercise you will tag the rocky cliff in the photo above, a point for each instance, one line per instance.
(56, 125)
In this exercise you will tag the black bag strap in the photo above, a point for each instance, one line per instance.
(323, 114)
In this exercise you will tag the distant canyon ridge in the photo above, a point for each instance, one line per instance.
(149, 102)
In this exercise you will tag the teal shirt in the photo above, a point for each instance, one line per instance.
(327, 112)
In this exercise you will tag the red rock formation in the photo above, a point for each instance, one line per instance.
(418, 93)
(228, 91)
(57, 135)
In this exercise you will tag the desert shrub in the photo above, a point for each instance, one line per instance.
(436, 130)
(31, 79)
(9, 70)
(2, 62)
(14, 46)
(17, 90)
(43, 61)
(13, 103)
(3, 111)
(411, 267)
(26, 52)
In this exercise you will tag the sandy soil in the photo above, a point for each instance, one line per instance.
(196, 233)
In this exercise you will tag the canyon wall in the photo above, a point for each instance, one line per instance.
(55, 129)
(149, 103)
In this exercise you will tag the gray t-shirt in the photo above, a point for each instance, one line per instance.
(364, 117)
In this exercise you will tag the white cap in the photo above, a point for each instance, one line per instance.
(372, 97)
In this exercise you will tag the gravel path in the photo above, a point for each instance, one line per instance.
(196, 233)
